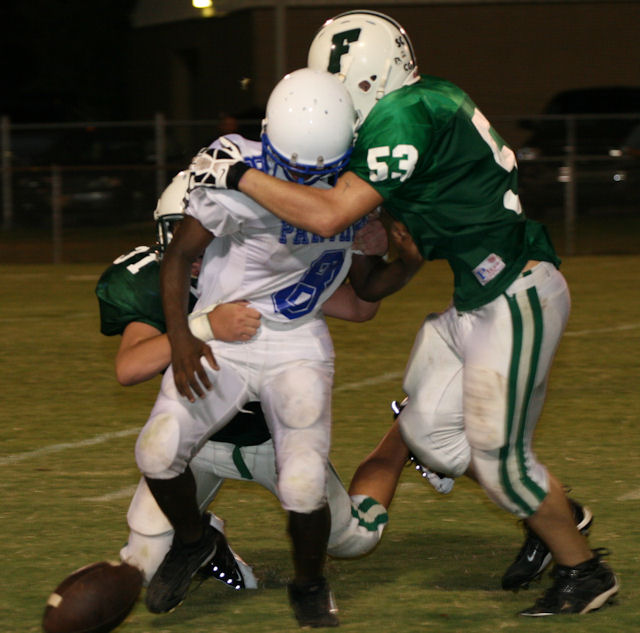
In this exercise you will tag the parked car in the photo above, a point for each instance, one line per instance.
(605, 174)
(106, 175)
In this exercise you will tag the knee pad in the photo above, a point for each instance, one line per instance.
(439, 448)
(363, 532)
(301, 397)
(432, 423)
(302, 482)
(157, 446)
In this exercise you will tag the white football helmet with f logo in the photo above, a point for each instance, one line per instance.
(369, 51)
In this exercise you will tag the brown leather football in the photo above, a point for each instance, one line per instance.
(93, 599)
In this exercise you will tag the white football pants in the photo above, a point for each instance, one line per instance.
(476, 383)
(290, 371)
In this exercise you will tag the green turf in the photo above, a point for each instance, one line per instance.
(612, 232)
(439, 565)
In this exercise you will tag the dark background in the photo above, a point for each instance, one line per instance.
(65, 60)
(80, 61)
(82, 84)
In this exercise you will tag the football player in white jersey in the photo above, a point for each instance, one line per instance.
(287, 275)
(128, 293)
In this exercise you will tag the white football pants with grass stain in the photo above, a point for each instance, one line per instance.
(356, 523)
(290, 372)
(476, 383)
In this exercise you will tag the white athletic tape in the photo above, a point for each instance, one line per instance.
(200, 325)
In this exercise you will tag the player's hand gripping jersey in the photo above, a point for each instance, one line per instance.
(286, 273)
(449, 177)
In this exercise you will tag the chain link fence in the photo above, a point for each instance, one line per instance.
(65, 184)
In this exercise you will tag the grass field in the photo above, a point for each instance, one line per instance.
(67, 465)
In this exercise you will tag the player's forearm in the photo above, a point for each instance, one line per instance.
(346, 305)
(361, 311)
(374, 279)
(187, 245)
(143, 361)
(366, 310)
(174, 283)
(309, 208)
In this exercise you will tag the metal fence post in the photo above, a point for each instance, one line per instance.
(280, 14)
(7, 192)
(570, 188)
(161, 152)
(56, 212)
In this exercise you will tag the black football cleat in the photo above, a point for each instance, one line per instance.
(534, 556)
(227, 567)
(170, 583)
(580, 589)
(313, 604)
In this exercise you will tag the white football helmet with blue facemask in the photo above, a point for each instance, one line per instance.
(307, 133)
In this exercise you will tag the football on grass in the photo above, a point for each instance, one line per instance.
(93, 599)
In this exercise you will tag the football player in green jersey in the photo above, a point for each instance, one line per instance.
(477, 376)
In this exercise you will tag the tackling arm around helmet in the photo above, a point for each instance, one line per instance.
(220, 168)
(325, 212)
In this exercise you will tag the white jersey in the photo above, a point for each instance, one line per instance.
(284, 272)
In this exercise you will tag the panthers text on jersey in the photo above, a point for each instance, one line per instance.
(129, 291)
(448, 176)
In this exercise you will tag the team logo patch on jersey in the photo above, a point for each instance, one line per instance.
(488, 268)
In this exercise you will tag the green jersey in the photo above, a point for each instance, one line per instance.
(447, 175)
(129, 291)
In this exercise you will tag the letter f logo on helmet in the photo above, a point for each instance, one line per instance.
(369, 52)
(340, 46)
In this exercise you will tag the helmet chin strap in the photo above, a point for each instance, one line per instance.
(380, 92)
(412, 78)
